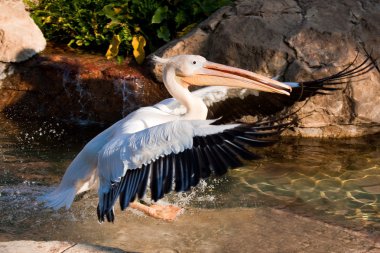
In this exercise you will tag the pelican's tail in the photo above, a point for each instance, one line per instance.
(80, 176)
(58, 198)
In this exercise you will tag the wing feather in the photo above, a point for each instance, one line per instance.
(206, 149)
(186, 151)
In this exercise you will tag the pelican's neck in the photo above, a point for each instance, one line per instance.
(196, 108)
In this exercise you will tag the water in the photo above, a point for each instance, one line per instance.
(335, 181)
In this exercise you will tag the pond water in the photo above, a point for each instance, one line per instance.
(335, 181)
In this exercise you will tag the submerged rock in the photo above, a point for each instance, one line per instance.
(20, 38)
(298, 41)
(74, 86)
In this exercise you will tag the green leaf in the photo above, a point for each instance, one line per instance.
(93, 23)
(160, 14)
(70, 43)
(120, 59)
(180, 18)
(112, 25)
(186, 30)
(109, 11)
(163, 33)
(79, 43)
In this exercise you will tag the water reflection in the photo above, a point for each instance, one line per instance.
(336, 181)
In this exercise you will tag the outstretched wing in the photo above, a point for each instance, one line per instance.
(202, 150)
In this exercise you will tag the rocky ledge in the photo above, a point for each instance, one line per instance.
(69, 85)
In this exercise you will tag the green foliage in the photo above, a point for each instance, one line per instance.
(92, 24)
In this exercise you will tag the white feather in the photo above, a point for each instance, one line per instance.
(81, 175)
(132, 142)
(160, 60)
(209, 95)
(131, 151)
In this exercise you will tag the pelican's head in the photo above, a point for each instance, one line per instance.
(196, 70)
(184, 65)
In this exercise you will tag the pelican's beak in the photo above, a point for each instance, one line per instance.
(215, 74)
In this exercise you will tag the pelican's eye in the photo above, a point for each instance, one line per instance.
(194, 62)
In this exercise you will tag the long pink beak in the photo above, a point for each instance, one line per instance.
(215, 74)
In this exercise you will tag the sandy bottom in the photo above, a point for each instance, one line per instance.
(210, 230)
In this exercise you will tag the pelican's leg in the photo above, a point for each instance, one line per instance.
(168, 213)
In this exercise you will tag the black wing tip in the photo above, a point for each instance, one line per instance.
(369, 56)
(105, 215)
(131, 185)
(210, 154)
(329, 84)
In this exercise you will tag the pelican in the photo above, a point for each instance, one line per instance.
(174, 143)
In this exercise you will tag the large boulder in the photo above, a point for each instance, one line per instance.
(20, 38)
(298, 40)
(77, 87)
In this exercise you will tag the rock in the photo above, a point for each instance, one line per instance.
(53, 246)
(20, 38)
(74, 86)
(298, 40)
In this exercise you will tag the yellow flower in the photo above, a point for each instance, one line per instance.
(113, 48)
(138, 44)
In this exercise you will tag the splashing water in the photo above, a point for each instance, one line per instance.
(123, 86)
(201, 194)
(336, 181)
(72, 85)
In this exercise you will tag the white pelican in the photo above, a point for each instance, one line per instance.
(172, 144)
